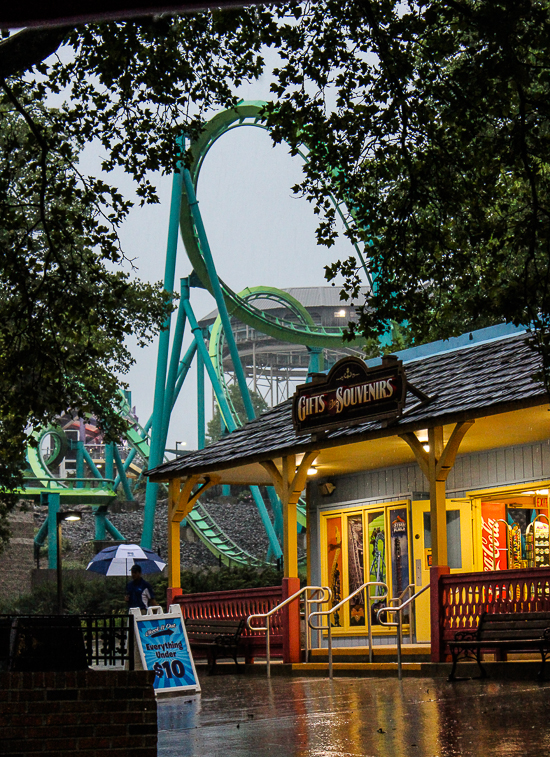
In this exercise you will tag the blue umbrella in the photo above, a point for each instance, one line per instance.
(119, 559)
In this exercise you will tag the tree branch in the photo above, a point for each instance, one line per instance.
(27, 48)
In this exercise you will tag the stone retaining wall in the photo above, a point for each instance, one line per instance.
(17, 560)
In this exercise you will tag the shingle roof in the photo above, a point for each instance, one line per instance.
(464, 383)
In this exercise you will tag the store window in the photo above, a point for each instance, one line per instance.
(515, 530)
(366, 544)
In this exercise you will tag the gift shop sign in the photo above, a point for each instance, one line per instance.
(352, 393)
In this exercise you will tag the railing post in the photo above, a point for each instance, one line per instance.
(436, 611)
(399, 631)
(329, 639)
(268, 647)
(291, 622)
(89, 650)
(131, 643)
(369, 624)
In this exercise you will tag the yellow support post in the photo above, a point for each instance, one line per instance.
(438, 510)
(174, 541)
(180, 503)
(290, 522)
(436, 464)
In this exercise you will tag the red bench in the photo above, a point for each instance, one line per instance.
(239, 604)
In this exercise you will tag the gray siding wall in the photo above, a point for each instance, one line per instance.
(497, 467)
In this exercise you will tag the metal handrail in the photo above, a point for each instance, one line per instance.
(399, 623)
(328, 613)
(325, 597)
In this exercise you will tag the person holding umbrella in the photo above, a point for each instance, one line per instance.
(125, 560)
(139, 593)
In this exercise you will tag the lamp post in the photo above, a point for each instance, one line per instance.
(69, 515)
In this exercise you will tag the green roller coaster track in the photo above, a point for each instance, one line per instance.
(306, 333)
(297, 329)
(302, 331)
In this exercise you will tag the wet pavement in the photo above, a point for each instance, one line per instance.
(356, 717)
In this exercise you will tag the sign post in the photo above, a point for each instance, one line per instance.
(164, 647)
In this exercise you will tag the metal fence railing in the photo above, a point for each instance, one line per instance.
(108, 639)
(65, 642)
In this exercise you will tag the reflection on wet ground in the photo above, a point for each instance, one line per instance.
(356, 717)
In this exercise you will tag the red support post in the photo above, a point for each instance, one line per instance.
(170, 594)
(292, 650)
(436, 610)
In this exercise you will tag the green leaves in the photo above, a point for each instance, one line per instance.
(431, 121)
(437, 119)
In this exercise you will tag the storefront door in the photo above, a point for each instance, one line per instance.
(459, 552)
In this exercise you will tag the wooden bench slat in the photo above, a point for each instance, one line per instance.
(505, 616)
(505, 631)
(219, 637)
(513, 634)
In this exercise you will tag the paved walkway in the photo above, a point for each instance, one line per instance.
(357, 717)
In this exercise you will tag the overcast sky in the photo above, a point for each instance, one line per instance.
(259, 233)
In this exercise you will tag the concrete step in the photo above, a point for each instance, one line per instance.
(496, 670)
(381, 653)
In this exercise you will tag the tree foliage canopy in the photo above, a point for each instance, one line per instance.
(214, 426)
(434, 118)
(430, 120)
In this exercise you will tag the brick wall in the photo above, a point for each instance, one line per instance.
(17, 561)
(86, 712)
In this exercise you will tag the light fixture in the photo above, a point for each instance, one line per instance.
(426, 447)
(327, 488)
(340, 314)
(312, 471)
(542, 492)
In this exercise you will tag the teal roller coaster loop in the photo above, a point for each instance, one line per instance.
(217, 338)
(149, 441)
(244, 114)
(300, 330)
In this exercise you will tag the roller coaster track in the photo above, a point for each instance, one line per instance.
(299, 330)
(306, 333)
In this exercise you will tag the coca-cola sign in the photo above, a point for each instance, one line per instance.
(350, 394)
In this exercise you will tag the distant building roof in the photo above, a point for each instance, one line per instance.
(310, 297)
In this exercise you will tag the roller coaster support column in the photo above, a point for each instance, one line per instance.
(316, 361)
(91, 464)
(201, 424)
(224, 410)
(122, 474)
(203, 352)
(218, 295)
(156, 452)
(103, 524)
(183, 370)
(109, 462)
(100, 518)
(172, 374)
(113, 530)
(53, 502)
